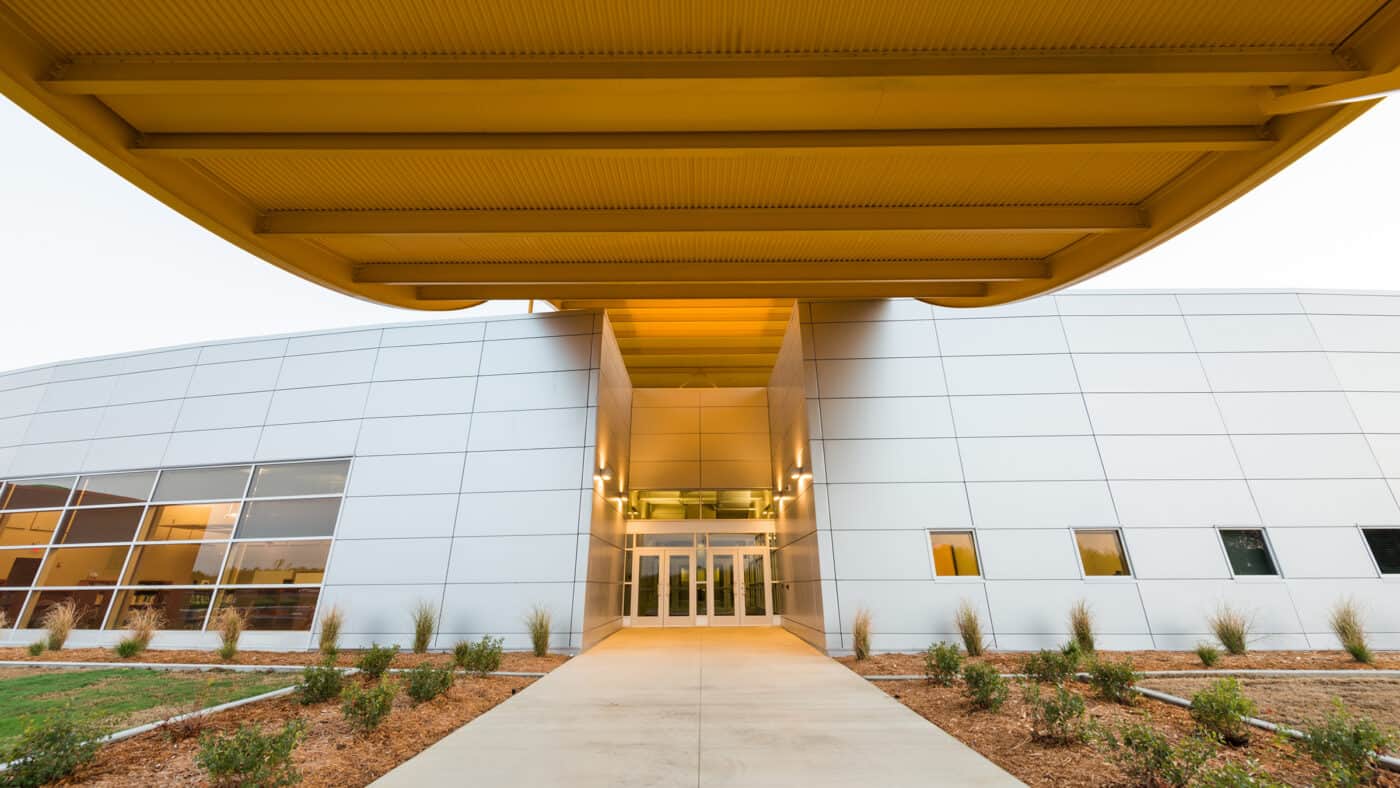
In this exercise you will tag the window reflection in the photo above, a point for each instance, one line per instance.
(1248, 552)
(300, 478)
(176, 564)
(19, 567)
(202, 484)
(47, 493)
(1101, 553)
(85, 526)
(182, 608)
(114, 488)
(954, 554)
(27, 528)
(305, 517)
(276, 563)
(190, 521)
(700, 504)
(91, 604)
(273, 608)
(83, 566)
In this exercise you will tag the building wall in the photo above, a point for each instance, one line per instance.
(1163, 414)
(699, 438)
(600, 568)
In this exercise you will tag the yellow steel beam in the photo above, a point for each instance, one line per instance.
(697, 273)
(1079, 219)
(699, 344)
(715, 289)
(702, 360)
(1140, 139)
(726, 328)
(1364, 89)
(225, 75)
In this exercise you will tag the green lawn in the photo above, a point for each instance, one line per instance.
(122, 697)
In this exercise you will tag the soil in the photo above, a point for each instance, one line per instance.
(330, 754)
(1010, 661)
(1296, 701)
(522, 662)
(1004, 737)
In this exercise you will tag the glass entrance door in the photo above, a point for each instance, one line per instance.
(739, 587)
(723, 611)
(665, 587)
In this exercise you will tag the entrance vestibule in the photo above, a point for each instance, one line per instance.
(691, 578)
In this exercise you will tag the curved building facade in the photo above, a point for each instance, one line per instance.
(1154, 454)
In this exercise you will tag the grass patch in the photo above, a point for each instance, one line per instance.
(122, 697)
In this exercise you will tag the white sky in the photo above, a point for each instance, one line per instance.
(90, 265)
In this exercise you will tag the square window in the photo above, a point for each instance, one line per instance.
(86, 526)
(954, 554)
(273, 608)
(300, 478)
(1385, 546)
(276, 563)
(83, 566)
(182, 608)
(202, 484)
(91, 604)
(1248, 551)
(176, 564)
(37, 493)
(1102, 553)
(190, 521)
(301, 517)
(21, 529)
(115, 488)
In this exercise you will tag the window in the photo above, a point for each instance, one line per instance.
(299, 478)
(1385, 546)
(115, 488)
(18, 567)
(276, 563)
(1102, 554)
(190, 521)
(91, 604)
(273, 608)
(176, 564)
(19, 529)
(202, 484)
(85, 526)
(954, 554)
(83, 566)
(182, 608)
(11, 603)
(37, 493)
(300, 517)
(1248, 551)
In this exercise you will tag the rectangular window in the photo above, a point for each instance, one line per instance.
(1248, 551)
(665, 540)
(303, 517)
(1385, 546)
(91, 604)
(176, 564)
(83, 566)
(202, 484)
(276, 563)
(18, 567)
(115, 488)
(37, 493)
(21, 529)
(190, 521)
(1102, 553)
(182, 608)
(273, 608)
(85, 526)
(300, 478)
(954, 554)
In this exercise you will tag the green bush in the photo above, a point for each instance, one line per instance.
(538, 623)
(479, 658)
(942, 664)
(128, 648)
(1231, 628)
(49, 749)
(376, 660)
(1057, 718)
(424, 623)
(1235, 775)
(365, 708)
(1350, 628)
(1220, 710)
(1081, 626)
(1208, 654)
(1151, 759)
(1051, 667)
(426, 682)
(1114, 680)
(320, 683)
(1345, 745)
(36, 648)
(984, 686)
(249, 757)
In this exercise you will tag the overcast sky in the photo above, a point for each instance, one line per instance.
(90, 265)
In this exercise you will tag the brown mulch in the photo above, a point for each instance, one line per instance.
(330, 755)
(1004, 738)
(1010, 661)
(1299, 700)
(523, 662)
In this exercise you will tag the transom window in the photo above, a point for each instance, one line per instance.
(1102, 553)
(1248, 551)
(954, 554)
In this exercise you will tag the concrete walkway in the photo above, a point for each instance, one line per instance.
(700, 707)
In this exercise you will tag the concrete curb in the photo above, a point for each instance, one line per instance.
(1163, 674)
(202, 666)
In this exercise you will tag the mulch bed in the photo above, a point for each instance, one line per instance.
(1010, 661)
(522, 662)
(1299, 700)
(332, 754)
(1004, 738)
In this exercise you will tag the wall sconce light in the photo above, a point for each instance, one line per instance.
(799, 473)
(603, 474)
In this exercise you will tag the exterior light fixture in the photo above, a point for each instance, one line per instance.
(603, 474)
(798, 473)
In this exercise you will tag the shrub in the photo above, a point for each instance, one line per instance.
(1345, 745)
(4, 620)
(1057, 718)
(1220, 709)
(1114, 680)
(1235, 775)
(320, 683)
(538, 622)
(479, 658)
(1208, 654)
(189, 725)
(426, 682)
(984, 686)
(424, 622)
(49, 749)
(860, 634)
(60, 620)
(128, 648)
(1231, 628)
(249, 757)
(1081, 626)
(970, 628)
(36, 648)
(1347, 624)
(365, 708)
(229, 622)
(142, 626)
(376, 660)
(1151, 759)
(942, 663)
(1050, 667)
(331, 621)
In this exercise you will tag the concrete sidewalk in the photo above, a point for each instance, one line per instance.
(700, 707)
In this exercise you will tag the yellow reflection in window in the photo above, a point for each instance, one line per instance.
(1102, 553)
(954, 554)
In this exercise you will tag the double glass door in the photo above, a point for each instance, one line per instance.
(735, 580)
(665, 583)
(739, 587)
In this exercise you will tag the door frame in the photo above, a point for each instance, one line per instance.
(663, 618)
(741, 617)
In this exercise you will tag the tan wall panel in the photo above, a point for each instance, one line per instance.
(683, 447)
(743, 447)
(665, 421)
(721, 419)
(700, 438)
(665, 475)
(724, 474)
